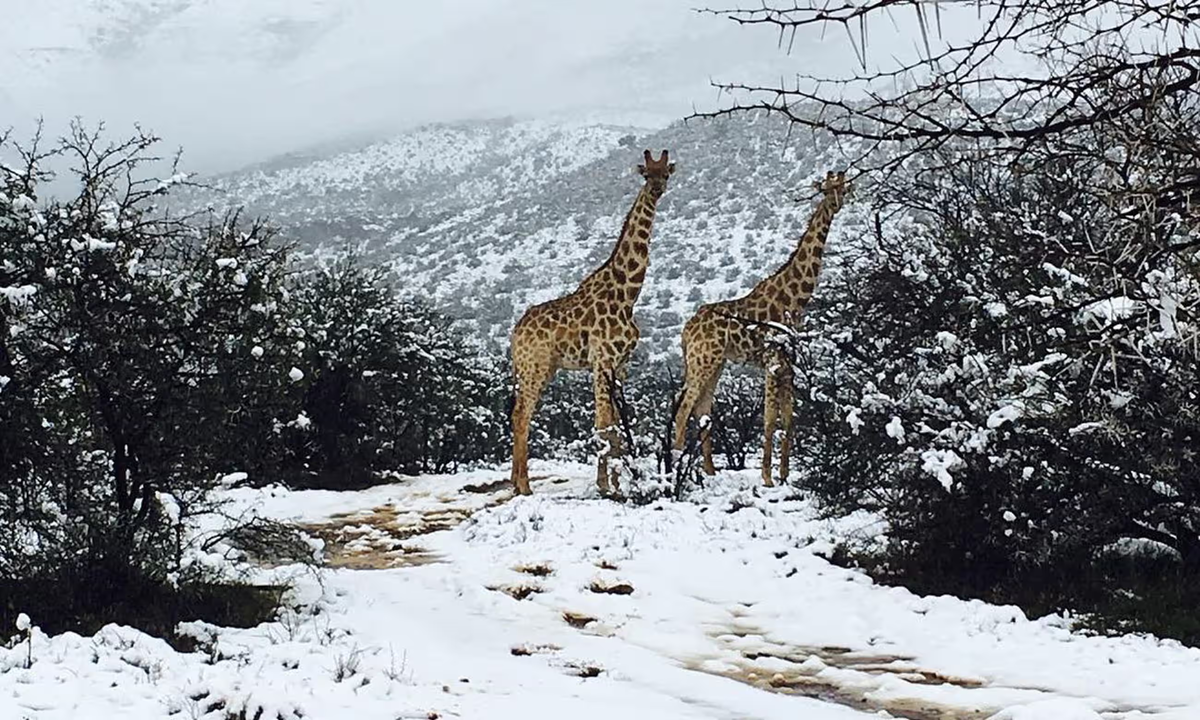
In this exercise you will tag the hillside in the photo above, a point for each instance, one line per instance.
(487, 218)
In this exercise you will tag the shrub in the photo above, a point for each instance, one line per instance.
(123, 331)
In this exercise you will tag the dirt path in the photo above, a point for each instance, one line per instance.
(388, 536)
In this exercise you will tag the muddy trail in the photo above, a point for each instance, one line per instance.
(383, 537)
(388, 536)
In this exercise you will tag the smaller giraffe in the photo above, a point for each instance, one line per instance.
(738, 330)
(590, 329)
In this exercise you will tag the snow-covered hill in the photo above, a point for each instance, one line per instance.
(487, 218)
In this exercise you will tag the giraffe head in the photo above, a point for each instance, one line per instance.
(835, 188)
(656, 172)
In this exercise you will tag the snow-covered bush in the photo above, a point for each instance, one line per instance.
(130, 376)
(1010, 376)
(737, 416)
(391, 385)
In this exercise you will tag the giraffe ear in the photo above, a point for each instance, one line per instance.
(641, 169)
(670, 168)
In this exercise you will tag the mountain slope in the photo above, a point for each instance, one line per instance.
(488, 218)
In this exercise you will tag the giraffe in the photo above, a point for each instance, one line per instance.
(589, 329)
(737, 330)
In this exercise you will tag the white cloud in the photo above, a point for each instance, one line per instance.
(236, 82)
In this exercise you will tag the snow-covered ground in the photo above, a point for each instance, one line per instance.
(566, 605)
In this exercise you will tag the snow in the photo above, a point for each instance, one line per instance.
(728, 584)
(17, 294)
(232, 478)
(996, 309)
(91, 244)
(854, 420)
(895, 430)
(1085, 427)
(295, 374)
(1109, 310)
(946, 339)
(1057, 709)
(1008, 413)
(23, 622)
(939, 463)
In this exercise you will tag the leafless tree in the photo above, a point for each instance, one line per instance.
(1082, 63)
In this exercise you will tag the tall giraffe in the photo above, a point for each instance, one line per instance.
(592, 328)
(737, 330)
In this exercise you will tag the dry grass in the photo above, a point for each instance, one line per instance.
(577, 620)
(517, 592)
(526, 650)
(536, 570)
(618, 588)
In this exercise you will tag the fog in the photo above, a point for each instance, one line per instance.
(237, 81)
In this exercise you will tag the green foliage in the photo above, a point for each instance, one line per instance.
(390, 384)
(1009, 378)
(128, 384)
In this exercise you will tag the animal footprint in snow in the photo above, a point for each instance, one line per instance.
(611, 588)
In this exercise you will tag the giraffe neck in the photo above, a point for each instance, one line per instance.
(623, 273)
(793, 284)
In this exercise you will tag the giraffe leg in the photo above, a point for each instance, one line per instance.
(704, 408)
(787, 409)
(531, 381)
(770, 410)
(606, 424)
(699, 378)
(620, 375)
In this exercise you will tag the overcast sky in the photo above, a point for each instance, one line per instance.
(236, 81)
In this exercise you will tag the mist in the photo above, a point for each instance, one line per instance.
(235, 82)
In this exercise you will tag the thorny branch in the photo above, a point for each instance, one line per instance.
(1076, 52)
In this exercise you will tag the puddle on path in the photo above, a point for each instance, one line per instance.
(801, 671)
(382, 537)
(858, 677)
(379, 538)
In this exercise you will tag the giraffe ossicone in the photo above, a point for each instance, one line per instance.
(741, 330)
(592, 328)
